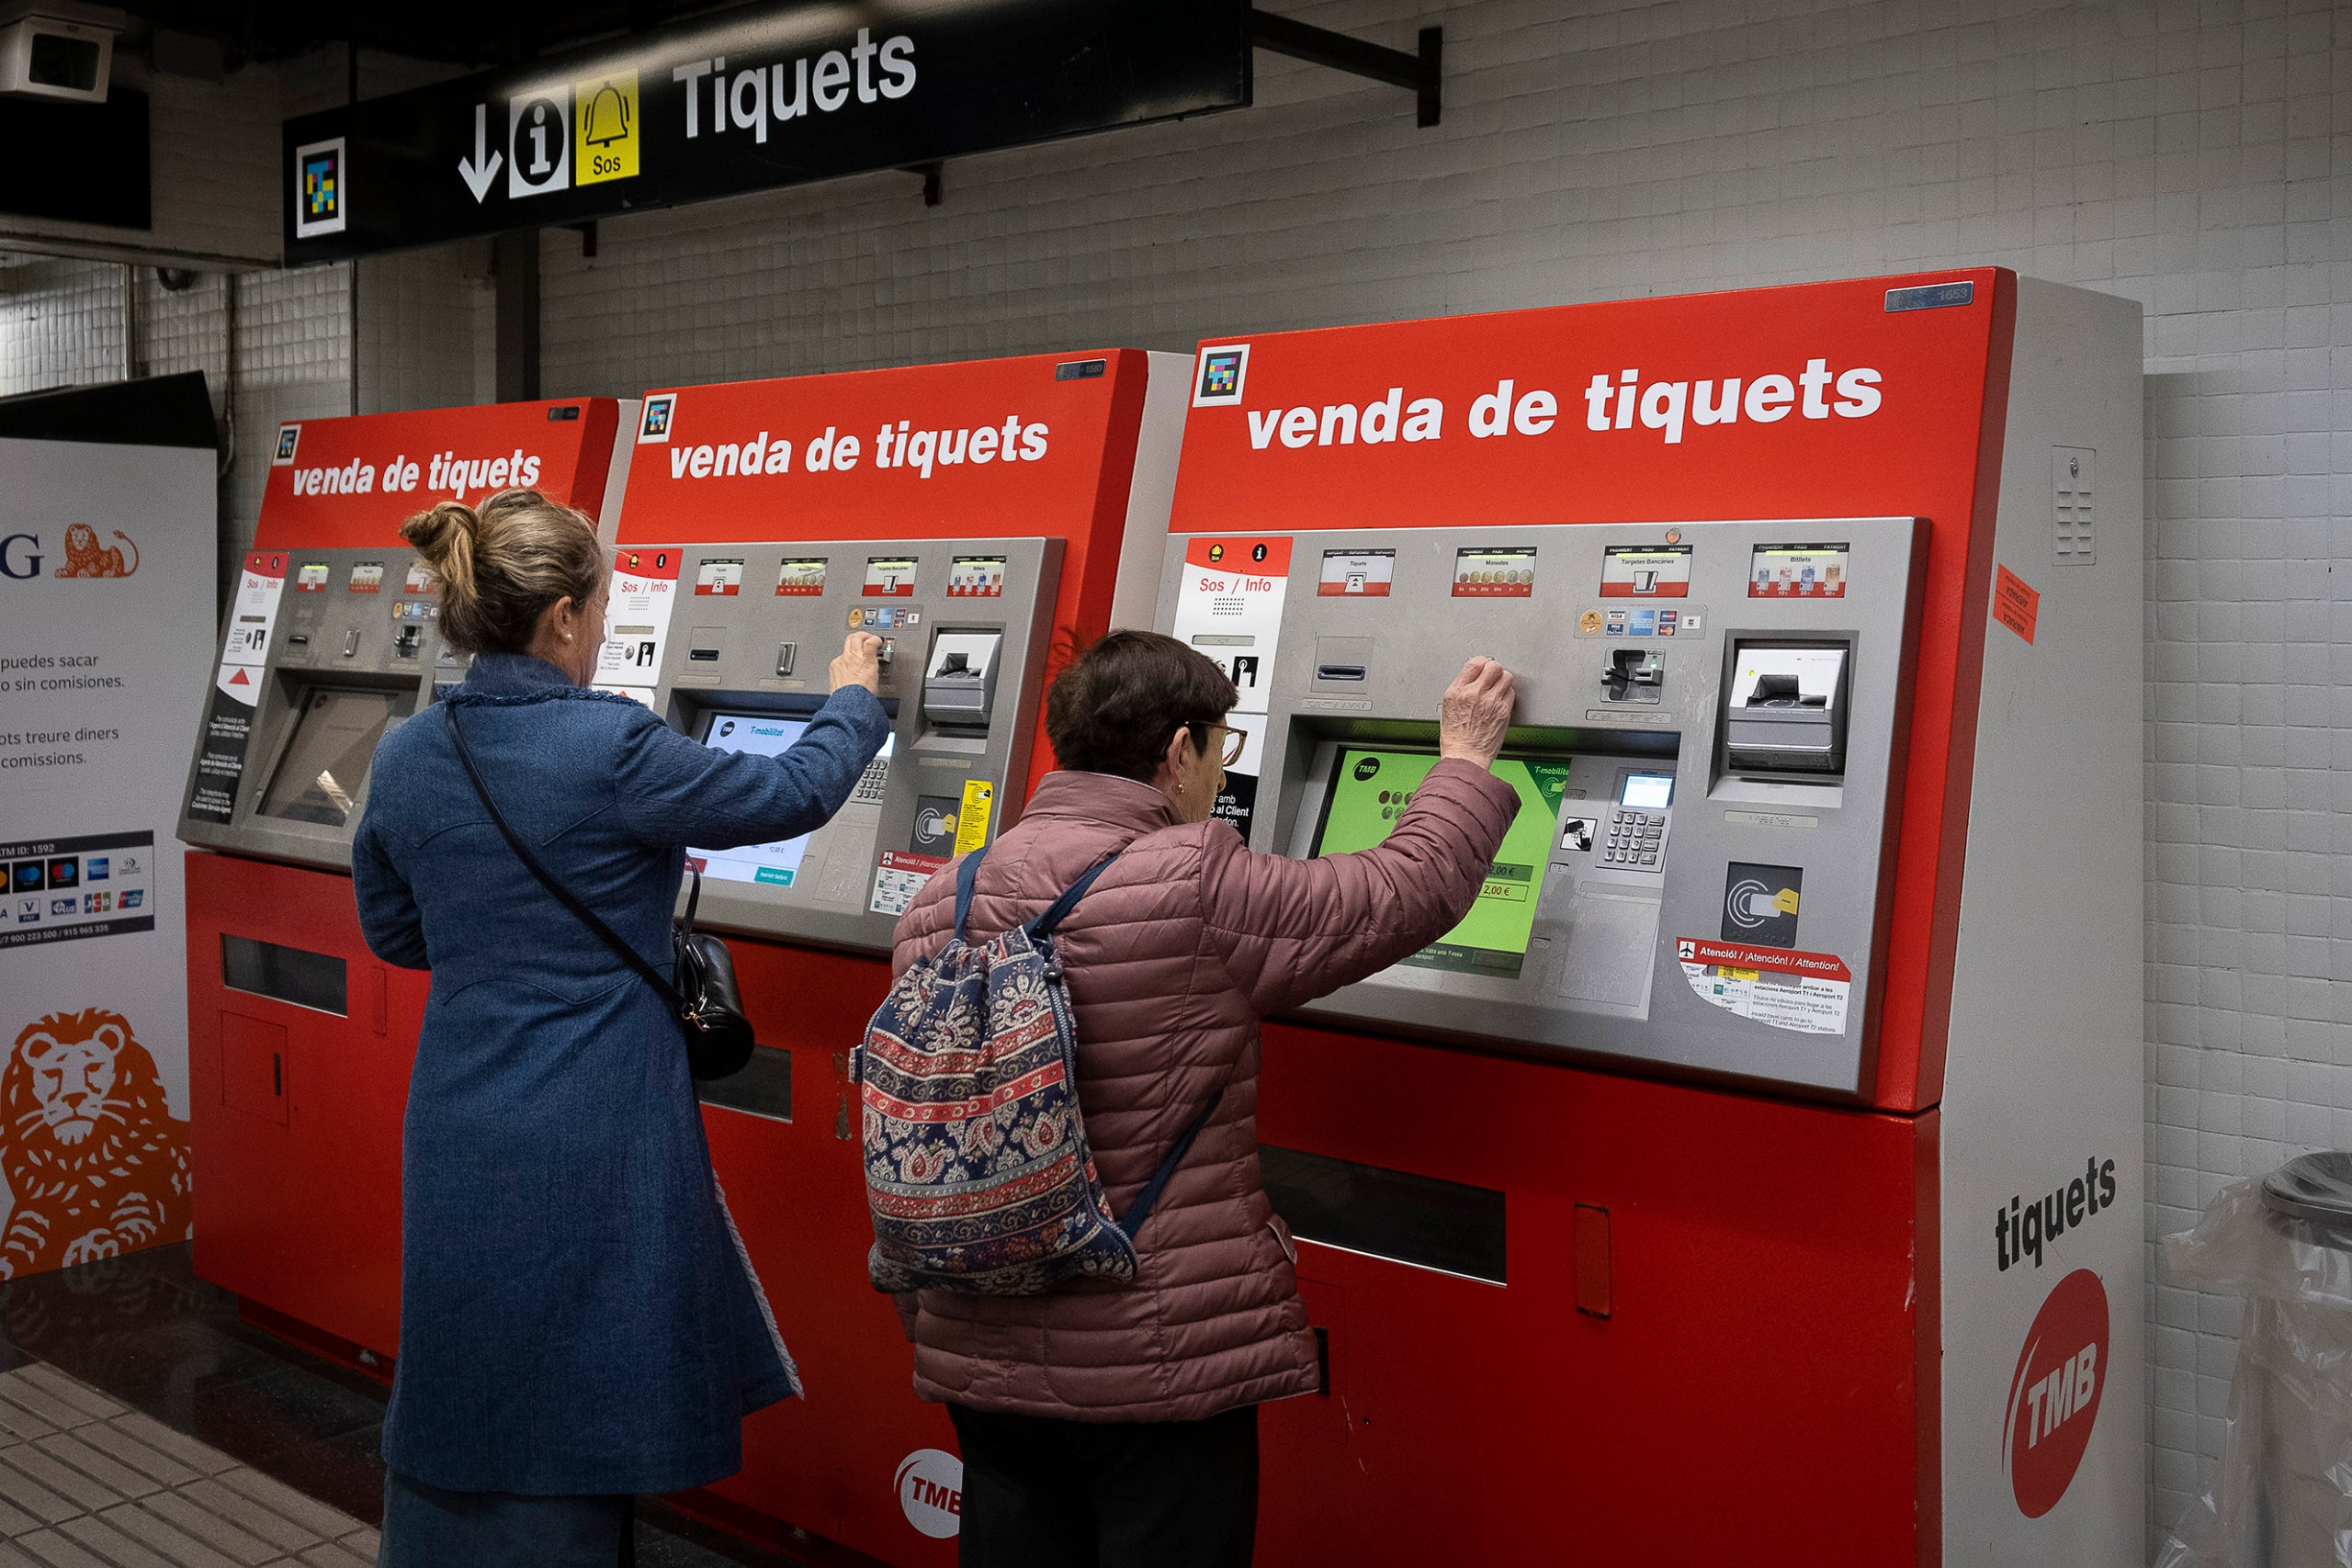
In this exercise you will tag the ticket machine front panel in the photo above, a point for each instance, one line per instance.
(963, 624)
(1695, 880)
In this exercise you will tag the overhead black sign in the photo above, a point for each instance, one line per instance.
(745, 101)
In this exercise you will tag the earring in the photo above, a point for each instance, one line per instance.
(567, 636)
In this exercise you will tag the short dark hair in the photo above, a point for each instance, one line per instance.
(1114, 708)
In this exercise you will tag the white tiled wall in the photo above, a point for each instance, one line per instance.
(2193, 154)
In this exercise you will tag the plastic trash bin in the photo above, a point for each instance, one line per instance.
(2282, 1496)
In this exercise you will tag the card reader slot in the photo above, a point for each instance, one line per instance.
(1340, 672)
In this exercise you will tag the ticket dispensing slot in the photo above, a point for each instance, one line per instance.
(959, 681)
(1784, 709)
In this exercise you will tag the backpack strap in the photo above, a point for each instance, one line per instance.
(1141, 1210)
(966, 876)
(1059, 910)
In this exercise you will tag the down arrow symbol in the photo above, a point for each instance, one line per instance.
(483, 167)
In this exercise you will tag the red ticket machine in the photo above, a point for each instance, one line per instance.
(1755, 1174)
(299, 1041)
(982, 519)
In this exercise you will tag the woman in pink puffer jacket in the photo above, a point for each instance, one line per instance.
(1117, 1425)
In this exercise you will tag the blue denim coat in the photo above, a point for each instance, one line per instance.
(577, 1315)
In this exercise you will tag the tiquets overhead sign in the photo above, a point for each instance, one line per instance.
(744, 101)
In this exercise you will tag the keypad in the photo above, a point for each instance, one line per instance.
(872, 783)
(1636, 839)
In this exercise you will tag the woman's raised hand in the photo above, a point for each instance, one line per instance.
(1476, 711)
(859, 662)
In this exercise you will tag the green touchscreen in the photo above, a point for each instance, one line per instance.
(1369, 789)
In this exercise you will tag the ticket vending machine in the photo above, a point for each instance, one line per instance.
(982, 519)
(299, 1040)
(1754, 1175)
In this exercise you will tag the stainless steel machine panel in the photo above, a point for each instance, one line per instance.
(1641, 832)
(353, 653)
(965, 625)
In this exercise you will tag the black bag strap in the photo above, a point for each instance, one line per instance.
(586, 916)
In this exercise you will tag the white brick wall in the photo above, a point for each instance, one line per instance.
(2193, 154)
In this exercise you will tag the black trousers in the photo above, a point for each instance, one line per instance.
(1049, 1493)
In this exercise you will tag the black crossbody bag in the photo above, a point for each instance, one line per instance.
(704, 997)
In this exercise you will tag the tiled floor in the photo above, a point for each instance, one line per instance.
(143, 1425)
(85, 1482)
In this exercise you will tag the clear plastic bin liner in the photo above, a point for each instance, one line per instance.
(2282, 1494)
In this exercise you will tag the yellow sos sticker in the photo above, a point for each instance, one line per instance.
(605, 125)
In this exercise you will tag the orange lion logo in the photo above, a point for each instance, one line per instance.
(95, 1162)
(86, 556)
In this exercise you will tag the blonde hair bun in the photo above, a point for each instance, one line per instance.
(499, 567)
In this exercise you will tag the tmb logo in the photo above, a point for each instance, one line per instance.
(931, 1491)
(2054, 1397)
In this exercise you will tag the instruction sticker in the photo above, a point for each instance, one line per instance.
(802, 579)
(1646, 572)
(1357, 574)
(1797, 571)
(1803, 992)
(899, 875)
(972, 822)
(367, 577)
(720, 577)
(644, 592)
(1230, 608)
(1494, 575)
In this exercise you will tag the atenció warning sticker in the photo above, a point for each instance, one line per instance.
(899, 875)
(1806, 992)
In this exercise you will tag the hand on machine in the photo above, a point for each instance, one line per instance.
(859, 662)
(1475, 713)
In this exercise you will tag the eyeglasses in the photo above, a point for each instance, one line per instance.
(1235, 740)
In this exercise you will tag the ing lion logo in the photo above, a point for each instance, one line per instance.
(95, 1162)
(85, 556)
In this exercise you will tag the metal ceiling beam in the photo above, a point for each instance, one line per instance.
(1420, 72)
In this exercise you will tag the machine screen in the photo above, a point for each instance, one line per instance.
(326, 761)
(1369, 789)
(1647, 792)
(765, 735)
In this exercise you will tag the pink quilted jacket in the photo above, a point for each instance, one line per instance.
(1174, 955)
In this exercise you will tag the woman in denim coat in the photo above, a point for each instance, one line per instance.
(579, 1322)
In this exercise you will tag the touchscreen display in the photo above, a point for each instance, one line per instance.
(1372, 787)
(326, 763)
(773, 864)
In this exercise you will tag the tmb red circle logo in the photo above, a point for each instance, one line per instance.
(2053, 1399)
